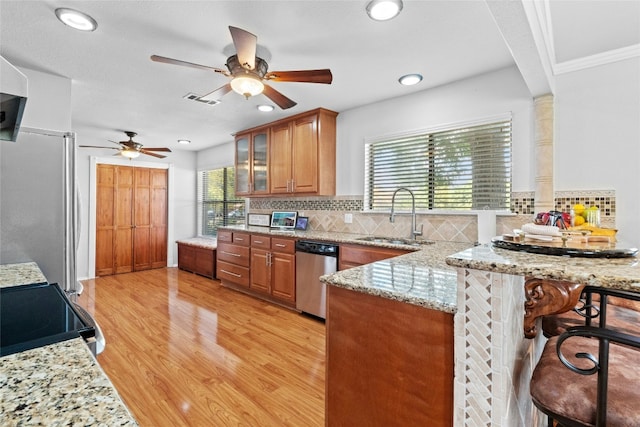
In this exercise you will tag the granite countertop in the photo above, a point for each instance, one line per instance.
(617, 273)
(421, 277)
(59, 384)
(200, 242)
(20, 274)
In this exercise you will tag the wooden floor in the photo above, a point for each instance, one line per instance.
(184, 351)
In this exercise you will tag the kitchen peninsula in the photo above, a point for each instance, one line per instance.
(483, 289)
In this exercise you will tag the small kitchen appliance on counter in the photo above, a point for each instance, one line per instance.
(40, 314)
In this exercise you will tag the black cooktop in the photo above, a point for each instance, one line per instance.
(36, 315)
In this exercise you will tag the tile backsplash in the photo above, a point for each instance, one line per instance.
(328, 214)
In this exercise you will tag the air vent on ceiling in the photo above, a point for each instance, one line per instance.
(194, 97)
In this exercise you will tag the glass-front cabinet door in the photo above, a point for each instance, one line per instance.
(259, 164)
(243, 179)
(252, 168)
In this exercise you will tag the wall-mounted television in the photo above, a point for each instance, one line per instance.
(284, 220)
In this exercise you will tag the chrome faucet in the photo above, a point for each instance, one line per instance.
(414, 231)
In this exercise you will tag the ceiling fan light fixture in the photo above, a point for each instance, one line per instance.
(383, 10)
(131, 154)
(76, 19)
(410, 79)
(247, 85)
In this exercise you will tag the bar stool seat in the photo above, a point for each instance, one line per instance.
(571, 398)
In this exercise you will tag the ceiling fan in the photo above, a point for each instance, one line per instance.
(248, 71)
(132, 149)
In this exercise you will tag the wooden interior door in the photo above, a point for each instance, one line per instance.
(123, 242)
(105, 207)
(142, 219)
(158, 213)
(131, 219)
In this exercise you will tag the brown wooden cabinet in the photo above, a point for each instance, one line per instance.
(388, 362)
(301, 156)
(252, 167)
(355, 255)
(197, 260)
(273, 268)
(131, 219)
(232, 266)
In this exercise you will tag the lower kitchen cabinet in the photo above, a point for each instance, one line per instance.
(273, 268)
(388, 362)
(355, 255)
(233, 258)
(197, 260)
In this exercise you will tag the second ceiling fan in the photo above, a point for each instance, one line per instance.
(248, 72)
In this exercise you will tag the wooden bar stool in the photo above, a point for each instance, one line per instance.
(589, 376)
(614, 309)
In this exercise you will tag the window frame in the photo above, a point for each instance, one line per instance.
(425, 198)
(204, 202)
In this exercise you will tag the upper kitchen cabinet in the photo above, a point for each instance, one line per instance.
(252, 153)
(295, 156)
(303, 154)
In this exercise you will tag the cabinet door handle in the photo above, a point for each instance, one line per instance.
(240, 239)
(230, 273)
(280, 245)
(231, 253)
(258, 242)
(293, 186)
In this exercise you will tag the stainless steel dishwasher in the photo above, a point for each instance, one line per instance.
(313, 259)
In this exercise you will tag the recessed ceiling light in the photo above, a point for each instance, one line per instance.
(265, 108)
(184, 141)
(74, 19)
(410, 79)
(383, 10)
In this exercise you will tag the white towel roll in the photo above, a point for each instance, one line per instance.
(544, 230)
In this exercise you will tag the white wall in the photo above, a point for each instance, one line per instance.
(483, 96)
(597, 137)
(48, 102)
(217, 157)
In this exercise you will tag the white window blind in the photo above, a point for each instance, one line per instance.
(464, 168)
(217, 201)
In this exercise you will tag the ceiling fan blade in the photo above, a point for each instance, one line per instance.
(157, 149)
(148, 153)
(245, 44)
(281, 100)
(303, 76)
(217, 94)
(97, 146)
(166, 60)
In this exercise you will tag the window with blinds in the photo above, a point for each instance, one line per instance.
(217, 201)
(466, 168)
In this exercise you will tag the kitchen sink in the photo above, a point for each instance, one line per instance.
(395, 241)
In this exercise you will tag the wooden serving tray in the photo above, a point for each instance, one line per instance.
(572, 247)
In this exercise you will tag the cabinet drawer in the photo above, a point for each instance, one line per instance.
(243, 239)
(233, 273)
(259, 241)
(234, 254)
(225, 236)
(287, 246)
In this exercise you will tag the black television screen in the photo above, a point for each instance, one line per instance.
(284, 219)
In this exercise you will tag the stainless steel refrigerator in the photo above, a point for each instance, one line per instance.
(38, 204)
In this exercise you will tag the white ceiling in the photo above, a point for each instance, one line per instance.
(116, 86)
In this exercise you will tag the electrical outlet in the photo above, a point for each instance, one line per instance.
(348, 218)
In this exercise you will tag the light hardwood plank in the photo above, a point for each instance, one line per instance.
(184, 351)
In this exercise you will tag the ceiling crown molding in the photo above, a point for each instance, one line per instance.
(603, 58)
